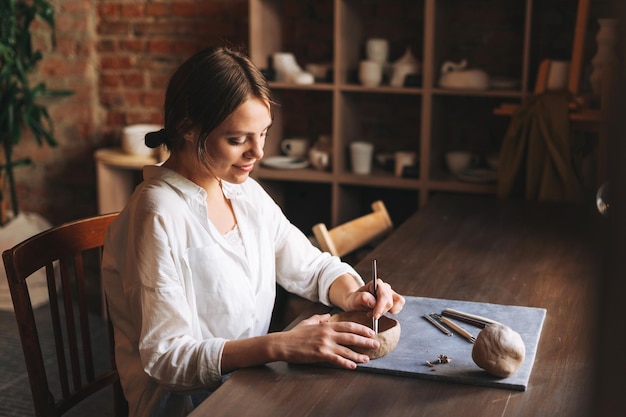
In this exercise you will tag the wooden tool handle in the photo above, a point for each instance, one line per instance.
(458, 329)
(470, 316)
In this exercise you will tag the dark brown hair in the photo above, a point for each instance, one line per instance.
(203, 92)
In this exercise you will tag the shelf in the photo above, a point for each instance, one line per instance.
(425, 119)
(383, 89)
(388, 181)
(291, 86)
(479, 93)
(444, 182)
(462, 186)
(293, 175)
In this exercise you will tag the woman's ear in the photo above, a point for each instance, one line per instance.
(191, 135)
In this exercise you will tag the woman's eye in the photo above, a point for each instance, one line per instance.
(236, 141)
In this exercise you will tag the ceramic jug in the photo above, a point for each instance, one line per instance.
(320, 159)
(404, 66)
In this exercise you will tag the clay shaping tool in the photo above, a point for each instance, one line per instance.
(375, 279)
(455, 327)
(474, 319)
(437, 325)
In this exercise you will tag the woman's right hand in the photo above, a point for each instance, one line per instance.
(316, 339)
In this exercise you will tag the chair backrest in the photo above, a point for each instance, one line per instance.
(356, 233)
(64, 252)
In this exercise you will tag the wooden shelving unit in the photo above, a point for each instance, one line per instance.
(427, 119)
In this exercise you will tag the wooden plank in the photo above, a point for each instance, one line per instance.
(578, 49)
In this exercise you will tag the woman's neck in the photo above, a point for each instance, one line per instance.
(194, 171)
(219, 209)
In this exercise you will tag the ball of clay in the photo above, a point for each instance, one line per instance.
(499, 350)
(388, 332)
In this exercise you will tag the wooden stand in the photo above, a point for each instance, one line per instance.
(116, 174)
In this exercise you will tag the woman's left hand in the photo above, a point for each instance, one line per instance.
(386, 299)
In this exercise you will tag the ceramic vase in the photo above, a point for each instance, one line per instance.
(605, 55)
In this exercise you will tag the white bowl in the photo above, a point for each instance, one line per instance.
(458, 161)
(133, 139)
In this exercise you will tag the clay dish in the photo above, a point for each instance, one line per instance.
(388, 331)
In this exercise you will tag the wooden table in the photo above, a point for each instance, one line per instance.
(466, 248)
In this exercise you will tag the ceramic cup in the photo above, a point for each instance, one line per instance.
(403, 159)
(558, 75)
(377, 50)
(457, 161)
(370, 73)
(361, 154)
(296, 147)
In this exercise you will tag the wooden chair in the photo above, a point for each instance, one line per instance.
(65, 251)
(583, 117)
(352, 235)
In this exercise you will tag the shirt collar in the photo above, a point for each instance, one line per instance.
(189, 188)
(186, 187)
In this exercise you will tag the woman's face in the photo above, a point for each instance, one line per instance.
(237, 143)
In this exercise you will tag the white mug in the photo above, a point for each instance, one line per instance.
(370, 73)
(377, 50)
(403, 159)
(361, 157)
(296, 147)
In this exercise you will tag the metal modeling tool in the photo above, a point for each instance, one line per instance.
(437, 325)
(375, 279)
(455, 327)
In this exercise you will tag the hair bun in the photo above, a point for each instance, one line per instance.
(155, 139)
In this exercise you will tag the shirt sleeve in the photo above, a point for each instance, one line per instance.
(301, 268)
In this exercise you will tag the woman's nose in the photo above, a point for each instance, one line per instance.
(256, 149)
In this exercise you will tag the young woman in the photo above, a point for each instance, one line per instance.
(190, 265)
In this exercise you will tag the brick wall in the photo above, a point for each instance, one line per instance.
(139, 44)
(116, 55)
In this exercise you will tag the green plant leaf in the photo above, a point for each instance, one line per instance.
(20, 106)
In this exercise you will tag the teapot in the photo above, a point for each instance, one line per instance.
(457, 75)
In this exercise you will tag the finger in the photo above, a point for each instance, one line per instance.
(348, 358)
(363, 300)
(384, 301)
(347, 337)
(347, 346)
(398, 303)
(352, 328)
(344, 361)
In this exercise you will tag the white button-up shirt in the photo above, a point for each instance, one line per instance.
(177, 290)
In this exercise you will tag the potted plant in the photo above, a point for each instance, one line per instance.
(19, 106)
(22, 114)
